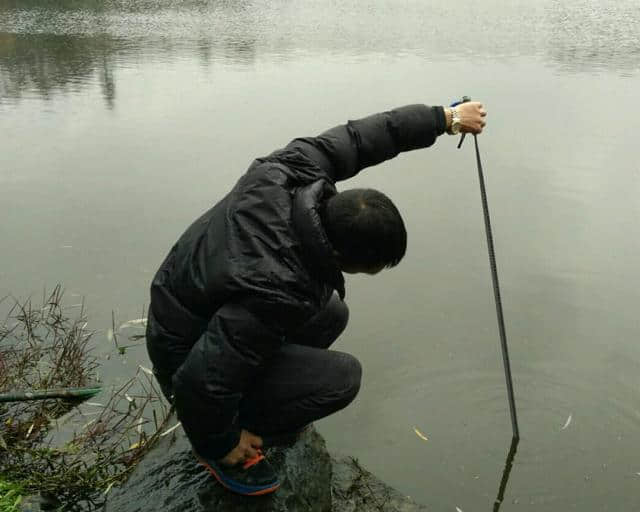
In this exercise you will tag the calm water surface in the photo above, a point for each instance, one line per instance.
(122, 121)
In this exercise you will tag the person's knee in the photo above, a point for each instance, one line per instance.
(350, 375)
(341, 315)
(324, 328)
(336, 316)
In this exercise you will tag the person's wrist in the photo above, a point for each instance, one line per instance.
(448, 116)
(453, 120)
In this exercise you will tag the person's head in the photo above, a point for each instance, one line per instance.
(365, 229)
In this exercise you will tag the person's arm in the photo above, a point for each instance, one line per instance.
(345, 150)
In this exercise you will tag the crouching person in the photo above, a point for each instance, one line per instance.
(247, 303)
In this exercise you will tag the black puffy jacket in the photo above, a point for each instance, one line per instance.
(258, 265)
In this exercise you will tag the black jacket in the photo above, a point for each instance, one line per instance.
(258, 265)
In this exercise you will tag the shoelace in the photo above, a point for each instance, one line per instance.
(253, 460)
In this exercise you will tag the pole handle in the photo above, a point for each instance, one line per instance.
(464, 99)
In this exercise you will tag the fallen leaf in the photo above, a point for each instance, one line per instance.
(145, 370)
(568, 422)
(131, 323)
(136, 445)
(420, 434)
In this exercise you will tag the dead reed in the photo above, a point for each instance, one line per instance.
(43, 347)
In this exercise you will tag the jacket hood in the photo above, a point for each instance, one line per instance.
(316, 247)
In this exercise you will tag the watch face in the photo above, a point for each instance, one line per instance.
(455, 128)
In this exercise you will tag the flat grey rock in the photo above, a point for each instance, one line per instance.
(169, 479)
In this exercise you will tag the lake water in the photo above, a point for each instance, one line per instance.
(121, 121)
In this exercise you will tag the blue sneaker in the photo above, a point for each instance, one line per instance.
(253, 477)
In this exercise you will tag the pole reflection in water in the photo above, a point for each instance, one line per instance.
(505, 474)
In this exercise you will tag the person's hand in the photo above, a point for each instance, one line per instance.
(472, 117)
(247, 447)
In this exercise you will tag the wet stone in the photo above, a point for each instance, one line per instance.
(354, 489)
(38, 503)
(169, 479)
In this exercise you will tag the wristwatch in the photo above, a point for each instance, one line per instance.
(454, 129)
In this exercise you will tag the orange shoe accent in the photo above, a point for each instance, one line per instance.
(252, 461)
(265, 491)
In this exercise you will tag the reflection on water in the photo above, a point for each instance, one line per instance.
(51, 64)
(59, 46)
(505, 474)
(47, 64)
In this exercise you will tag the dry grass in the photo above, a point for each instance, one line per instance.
(42, 348)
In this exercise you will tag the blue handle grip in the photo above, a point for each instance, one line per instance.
(463, 100)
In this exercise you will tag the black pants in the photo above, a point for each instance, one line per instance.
(305, 381)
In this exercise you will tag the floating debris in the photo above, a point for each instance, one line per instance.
(420, 434)
(135, 446)
(568, 422)
(126, 395)
(458, 509)
(132, 323)
(95, 404)
(145, 370)
(170, 430)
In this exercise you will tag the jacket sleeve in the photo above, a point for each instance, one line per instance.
(344, 150)
(220, 367)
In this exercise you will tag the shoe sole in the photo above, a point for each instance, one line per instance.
(238, 489)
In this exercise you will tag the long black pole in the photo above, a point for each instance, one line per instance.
(496, 292)
(505, 474)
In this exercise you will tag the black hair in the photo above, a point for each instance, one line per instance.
(365, 228)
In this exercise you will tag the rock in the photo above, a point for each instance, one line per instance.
(38, 503)
(169, 479)
(355, 489)
(30, 504)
